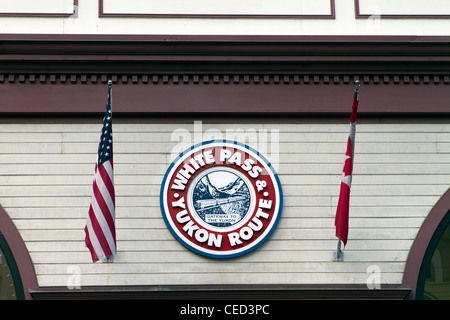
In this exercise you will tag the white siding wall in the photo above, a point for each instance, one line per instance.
(400, 171)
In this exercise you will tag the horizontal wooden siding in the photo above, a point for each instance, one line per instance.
(400, 171)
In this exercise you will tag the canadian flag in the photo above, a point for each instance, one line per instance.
(342, 212)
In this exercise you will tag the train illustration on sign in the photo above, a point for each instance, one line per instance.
(210, 203)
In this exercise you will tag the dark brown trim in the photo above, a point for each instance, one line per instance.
(288, 51)
(224, 292)
(102, 14)
(275, 76)
(244, 118)
(358, 15)
(238, 98)
(43, 14)
(20, 253)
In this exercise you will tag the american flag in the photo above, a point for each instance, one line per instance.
(342, 212)
(100, 226)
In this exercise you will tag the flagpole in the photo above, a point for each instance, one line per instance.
(338, 255)
(110, 91)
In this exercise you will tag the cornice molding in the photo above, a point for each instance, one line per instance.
(227, 55)
(220, 46)
(242, 74)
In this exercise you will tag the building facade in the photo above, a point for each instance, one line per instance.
(279, 79)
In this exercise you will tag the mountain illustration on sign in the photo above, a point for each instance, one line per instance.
(221, 198)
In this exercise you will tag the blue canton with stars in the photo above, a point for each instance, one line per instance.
(105, 147)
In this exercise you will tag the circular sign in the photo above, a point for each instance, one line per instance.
(221, 199)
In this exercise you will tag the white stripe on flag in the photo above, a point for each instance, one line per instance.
(109, 170)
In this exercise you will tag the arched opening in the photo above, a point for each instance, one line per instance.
(10, 281)
(427, 270)
(17, 274)
(434, 277)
